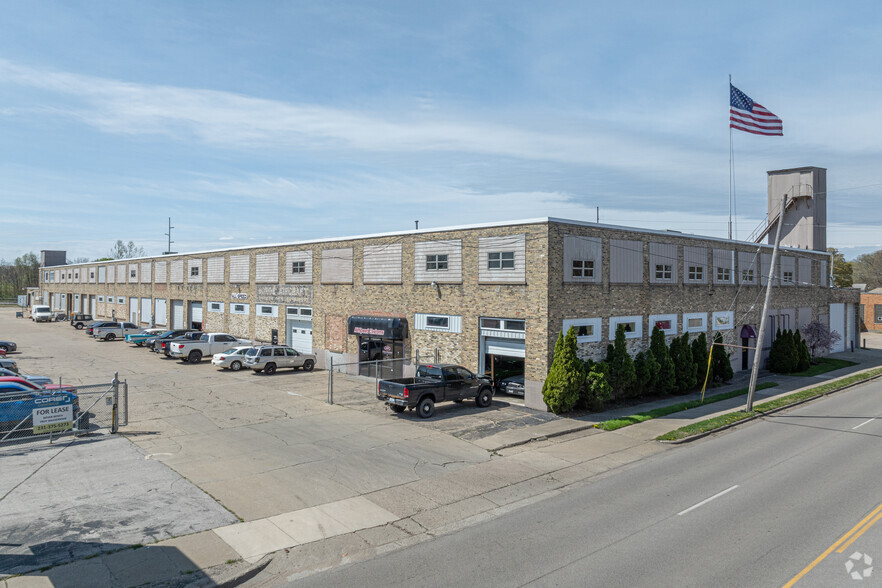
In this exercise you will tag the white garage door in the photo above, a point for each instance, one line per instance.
(76, 304)
(133, 310)
(837, 323)
(177, 314)
(93, 304)
(145, 310)
(505, 347)
(195, 312)
(161, 318)
(300, 335)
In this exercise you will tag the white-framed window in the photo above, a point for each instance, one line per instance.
(437, 262)
(723, 320)
(91, 275)
(266, 310)
(503, 324)
(695, 273)
(121, 300)
(215, 307)
(588, 330)
(787, 278)
(664, 271)
(501, 260)
(694, 322)
(748, 276)
(303, 313)
(298, 267)
(633, 326)
(238, 308)
(583, 268)
(724, 274)
(442, 323)
(666, 322)
(101, 299)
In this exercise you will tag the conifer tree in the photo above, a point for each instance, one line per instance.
(681, 355)
(720, 364)
(666, 379)
(805, 360)
(700, 357)
(566, 376)
(621, 367)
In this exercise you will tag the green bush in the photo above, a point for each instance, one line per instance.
(784, 354)
(621, 367)
(597, 391)
(681, 355)
(666, 377)
(646, 370)
(720, 364)
(566, 376)
(805, 359)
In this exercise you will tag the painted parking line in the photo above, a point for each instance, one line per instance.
(863, 423)
(706, 500)
(842, 543)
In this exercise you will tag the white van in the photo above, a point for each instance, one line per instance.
(41, 314)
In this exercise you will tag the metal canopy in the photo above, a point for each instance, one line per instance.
(378, 326)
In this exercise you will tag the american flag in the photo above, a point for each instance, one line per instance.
(750, 117)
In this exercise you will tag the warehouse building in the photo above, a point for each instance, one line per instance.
(491, 297)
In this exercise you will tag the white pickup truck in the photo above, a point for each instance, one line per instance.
(113, 331)
(208, 344)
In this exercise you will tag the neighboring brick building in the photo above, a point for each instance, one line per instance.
(871, 310)
(486, 296)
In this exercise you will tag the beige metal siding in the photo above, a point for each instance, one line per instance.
(337, 266)
(382, 264)
(583, 249)
(240, 269)
(513, 243)
(662, 254)
(267, 268)
(215, 271)
(723, 258)
(625, 261)
(451, 248)
(145, 272)
(695, 257)
(194, 263)
(161, 273)
(306, 276)
(805, 271)
(176, 272)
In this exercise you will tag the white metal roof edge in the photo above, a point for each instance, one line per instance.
(531, 221)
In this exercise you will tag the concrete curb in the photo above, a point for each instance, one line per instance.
(776, 410)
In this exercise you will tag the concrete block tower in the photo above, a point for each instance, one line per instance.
(805, 218)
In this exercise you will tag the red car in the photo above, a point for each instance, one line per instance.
(28, 384)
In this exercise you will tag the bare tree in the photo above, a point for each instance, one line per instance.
(868, 269)
(126, 251)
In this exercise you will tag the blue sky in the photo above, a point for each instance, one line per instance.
(263, 122)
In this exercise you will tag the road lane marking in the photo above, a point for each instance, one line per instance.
(864, 423)
(859, 533)
(836, 545)
(706, 500)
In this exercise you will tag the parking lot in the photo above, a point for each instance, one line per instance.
(250, 446)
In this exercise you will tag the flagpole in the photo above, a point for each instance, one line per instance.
(731, 171)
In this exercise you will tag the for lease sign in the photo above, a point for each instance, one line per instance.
(50, 419)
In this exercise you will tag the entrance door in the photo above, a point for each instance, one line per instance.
(375, 357)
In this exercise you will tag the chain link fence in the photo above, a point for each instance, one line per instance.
(61, 411)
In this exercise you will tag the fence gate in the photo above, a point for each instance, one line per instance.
(61, 411)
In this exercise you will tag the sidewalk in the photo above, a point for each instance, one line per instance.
(528, 464)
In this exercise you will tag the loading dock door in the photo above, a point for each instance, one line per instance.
(196, 315)
(93, 304)
(133, 310)
(300, 335)
(161, 318)
(837, 323)
(76, 304)
(145, 310)
(177, 314)
(506, 347)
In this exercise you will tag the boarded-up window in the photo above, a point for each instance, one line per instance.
(337, 266)
(194, 271)
(121, 274)
(161, 272)
(215, 270)
(102, 274)
(582, 259)
(429, 258)
(176, 272)
(298, 267)
(663, 263)
(382, 264)
(145, 272)
(240, 270)
(695, 265)
(724, 272)
(267, 268)
(625, 261)
(502, 260)
(805, 272)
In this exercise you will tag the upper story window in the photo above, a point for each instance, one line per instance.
(133, 273)
(298, 267)
(788, 277)
(664, 272)
(696, 272)
(438, 262)
(501, 260)
(724, 274)
(194, 271)
(91, 275)
(747, 275)
(583, 268)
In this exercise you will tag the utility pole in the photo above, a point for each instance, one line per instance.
(757, 355)
(170, 227)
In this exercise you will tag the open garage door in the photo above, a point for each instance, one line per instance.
(503, 349)
(196, 315)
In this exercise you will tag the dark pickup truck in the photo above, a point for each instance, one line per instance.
(435, 383)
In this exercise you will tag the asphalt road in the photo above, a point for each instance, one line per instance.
(762, 505)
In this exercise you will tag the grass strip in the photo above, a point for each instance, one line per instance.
(613, 424)
(733, 417)
(824, 365)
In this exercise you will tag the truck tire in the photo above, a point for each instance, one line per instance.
(397, 408)
(195, 356)
(270, 368)
(426, 407)
(484, 398)
(110, 337)
(79, 326)
(308, 365)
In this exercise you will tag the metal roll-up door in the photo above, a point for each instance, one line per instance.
(837, 323)
(506, 347)
(177, 314)
(300, 335)
(133, 309)
(145, 310)
(159, 310)
(76, 304)
(93, 304)
(195, 312)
